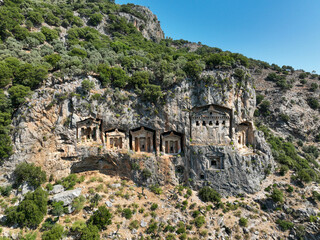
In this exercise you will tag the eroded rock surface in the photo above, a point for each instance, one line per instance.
(203, 134)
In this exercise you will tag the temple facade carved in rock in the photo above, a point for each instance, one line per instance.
(209, 125)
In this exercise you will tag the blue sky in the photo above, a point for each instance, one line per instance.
(285, 32)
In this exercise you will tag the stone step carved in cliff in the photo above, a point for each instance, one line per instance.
(142, 139)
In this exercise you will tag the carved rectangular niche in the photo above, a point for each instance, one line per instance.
(215, 161)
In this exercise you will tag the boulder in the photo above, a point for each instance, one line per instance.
(57, 189)
(67, 196)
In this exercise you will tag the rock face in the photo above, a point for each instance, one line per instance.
(149, 25)
(66, 197)
(203, 134)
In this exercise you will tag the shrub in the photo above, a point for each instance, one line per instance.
(208, 194)
(139, 79)
(313, 103)
(199, 221)
(259, 98)
(29, 75)
(153, 207)
(5, 191)
(95, 19)
(243, 222)
(53, 59)
(114, 75)
(284, 225)
(314, 87)
(283, 170)
(152, 93)
(264, 108)
(30, 211)
(156, 189)
(127, 213)
(18, 94)
(303, 75)
(146, 173)
(50, 34)
(277, 195)
(284, 117)
(78, 52)
(90, 232)
(193, 69)
(57, 208)
(152, 228)
(316, 195)
(30, 174)
(35, 17)
(55, 233)
(78, 203)
(5, 74)
(304, 176)
(134, 225)
(87, 85)
(289, 189)
(101, 218)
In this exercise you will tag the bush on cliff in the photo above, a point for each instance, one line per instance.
(101, 218)
(29, 173)
(30, 212)
(208, 194)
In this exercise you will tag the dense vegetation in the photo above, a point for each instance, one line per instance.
(32, 47)
(285, 153)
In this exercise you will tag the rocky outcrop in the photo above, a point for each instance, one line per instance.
(67, 196)
(230, 155)
(149, 25)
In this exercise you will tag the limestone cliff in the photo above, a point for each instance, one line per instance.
(221, 148)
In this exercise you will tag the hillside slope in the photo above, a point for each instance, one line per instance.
(93, 93)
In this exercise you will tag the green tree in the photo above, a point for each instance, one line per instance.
(18, 94)
(53, 59)
(193, 69)
(29, 75)
(139, 79)
(95, 19)
(277, 195)
(35, 17)
(57, 208)
(91, 232)
(101, 218)
(30, 211)
(78, 52)
(5, 74)
(50, 34)
(29, 173)
(313, 103)
(208, 194)
(55, 233)
(152, 92)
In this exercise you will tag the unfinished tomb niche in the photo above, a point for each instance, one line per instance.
(89, 130)
(244, 134)
(171, 142)
(142, 139)
(115, 139)
(211, 124)
(215, 161)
